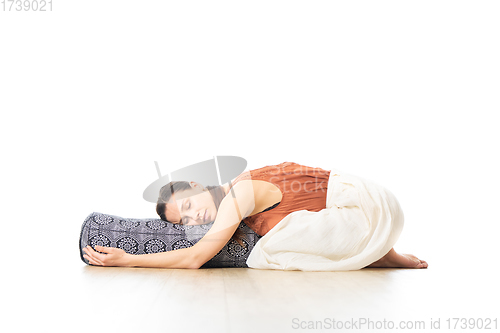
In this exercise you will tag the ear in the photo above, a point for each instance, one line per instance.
(196, 185)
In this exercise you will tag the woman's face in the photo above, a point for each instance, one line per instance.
(190, 207)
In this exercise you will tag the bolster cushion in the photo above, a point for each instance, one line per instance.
(143, 236)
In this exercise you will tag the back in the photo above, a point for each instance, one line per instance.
(302, 188)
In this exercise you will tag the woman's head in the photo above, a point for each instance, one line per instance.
(187, 203)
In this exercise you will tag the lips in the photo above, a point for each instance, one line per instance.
(205, 216)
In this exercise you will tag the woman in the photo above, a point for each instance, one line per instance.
(356, 220)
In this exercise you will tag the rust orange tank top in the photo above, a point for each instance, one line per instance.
(302, 188)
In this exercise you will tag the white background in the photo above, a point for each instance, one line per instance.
(402, 93)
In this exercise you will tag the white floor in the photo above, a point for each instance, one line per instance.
(107, 299)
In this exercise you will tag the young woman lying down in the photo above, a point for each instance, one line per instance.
(310, 218)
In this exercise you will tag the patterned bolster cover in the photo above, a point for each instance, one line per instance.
(142, 236)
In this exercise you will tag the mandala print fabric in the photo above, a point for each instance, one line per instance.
(143, 236)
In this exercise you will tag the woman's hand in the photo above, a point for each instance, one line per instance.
(112, 256)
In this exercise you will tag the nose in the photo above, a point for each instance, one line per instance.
(195, 217)
(200, 216)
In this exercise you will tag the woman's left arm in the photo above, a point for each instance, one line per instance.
(112, 256)
(231, 211)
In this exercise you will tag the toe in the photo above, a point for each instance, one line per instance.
(422, 264)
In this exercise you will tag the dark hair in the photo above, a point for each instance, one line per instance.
(216, 192)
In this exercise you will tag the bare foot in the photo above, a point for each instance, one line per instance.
(396, 260)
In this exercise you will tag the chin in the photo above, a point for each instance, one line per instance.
(211, 218)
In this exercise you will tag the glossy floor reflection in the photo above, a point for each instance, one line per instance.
(110, 299)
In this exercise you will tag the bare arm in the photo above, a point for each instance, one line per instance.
(111, 256)
(231, 211)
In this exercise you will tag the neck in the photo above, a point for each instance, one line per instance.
(225, 188)
(218, 193)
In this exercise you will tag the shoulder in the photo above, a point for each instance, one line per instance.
(249, 186)
(242, 188)
(242, 195)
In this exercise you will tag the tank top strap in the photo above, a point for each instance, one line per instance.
(244, 176)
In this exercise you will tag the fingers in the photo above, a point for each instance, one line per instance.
(104, 249)
(93, 261)
(93, 257)
(109, 256)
